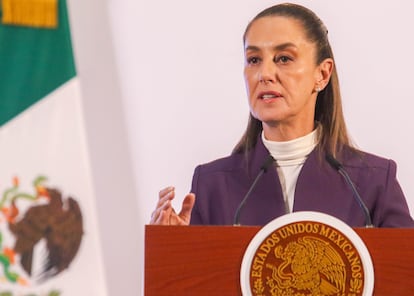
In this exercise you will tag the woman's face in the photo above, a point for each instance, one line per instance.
(281, 74)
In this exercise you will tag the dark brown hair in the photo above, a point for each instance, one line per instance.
(328, 109)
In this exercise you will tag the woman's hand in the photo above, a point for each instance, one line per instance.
(164, 213)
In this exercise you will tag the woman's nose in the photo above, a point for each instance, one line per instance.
(267, 72)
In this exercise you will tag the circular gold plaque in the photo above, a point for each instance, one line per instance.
(307, 254)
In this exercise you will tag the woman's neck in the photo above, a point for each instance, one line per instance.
(285, 132)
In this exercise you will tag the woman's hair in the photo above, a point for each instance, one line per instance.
(328, 109)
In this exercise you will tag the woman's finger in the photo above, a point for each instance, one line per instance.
(165, 194)
(161, 210)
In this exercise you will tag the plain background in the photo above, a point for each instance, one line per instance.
(166, 78)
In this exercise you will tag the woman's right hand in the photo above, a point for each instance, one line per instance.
(165, 214)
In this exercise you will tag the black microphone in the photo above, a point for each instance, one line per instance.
(263, 170)
(338, 166)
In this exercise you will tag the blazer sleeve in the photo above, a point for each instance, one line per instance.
(392, 208)
(196, 218)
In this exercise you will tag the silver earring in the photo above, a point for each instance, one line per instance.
(318, 89)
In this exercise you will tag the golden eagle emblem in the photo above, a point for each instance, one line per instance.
(308, 265)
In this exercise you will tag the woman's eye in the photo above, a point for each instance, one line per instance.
(253, 60)
(282, 59)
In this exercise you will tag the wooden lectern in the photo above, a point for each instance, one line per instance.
(206, 260)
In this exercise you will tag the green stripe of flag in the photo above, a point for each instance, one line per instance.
(33, 62)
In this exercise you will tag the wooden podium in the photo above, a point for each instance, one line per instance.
(206, 260)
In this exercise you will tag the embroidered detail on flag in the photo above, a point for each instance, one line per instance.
(44, 233)
(31, 13)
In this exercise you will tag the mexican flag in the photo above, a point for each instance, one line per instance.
(49, 242)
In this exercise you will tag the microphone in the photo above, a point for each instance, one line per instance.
(338, 166)
(269, 160)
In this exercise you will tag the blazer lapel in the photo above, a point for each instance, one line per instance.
(320, 188)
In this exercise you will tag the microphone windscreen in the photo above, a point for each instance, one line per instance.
(265, 166)
(333, 162)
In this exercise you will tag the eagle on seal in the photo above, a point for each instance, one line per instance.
(309, 264)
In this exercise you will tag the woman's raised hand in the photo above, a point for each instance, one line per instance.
(165, 214)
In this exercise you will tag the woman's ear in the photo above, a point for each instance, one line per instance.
(324, 72)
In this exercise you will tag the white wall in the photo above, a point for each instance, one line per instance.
(179, 68)
(108, 146)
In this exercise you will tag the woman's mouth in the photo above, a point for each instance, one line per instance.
(267, 96)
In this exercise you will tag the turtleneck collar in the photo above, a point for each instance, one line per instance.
(292, 152)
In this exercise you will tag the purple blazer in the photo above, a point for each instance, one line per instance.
(221, 185)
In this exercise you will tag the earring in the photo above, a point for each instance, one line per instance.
(318, 89)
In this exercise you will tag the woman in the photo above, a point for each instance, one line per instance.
(296, 117)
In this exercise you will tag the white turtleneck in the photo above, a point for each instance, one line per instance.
(289, 159)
